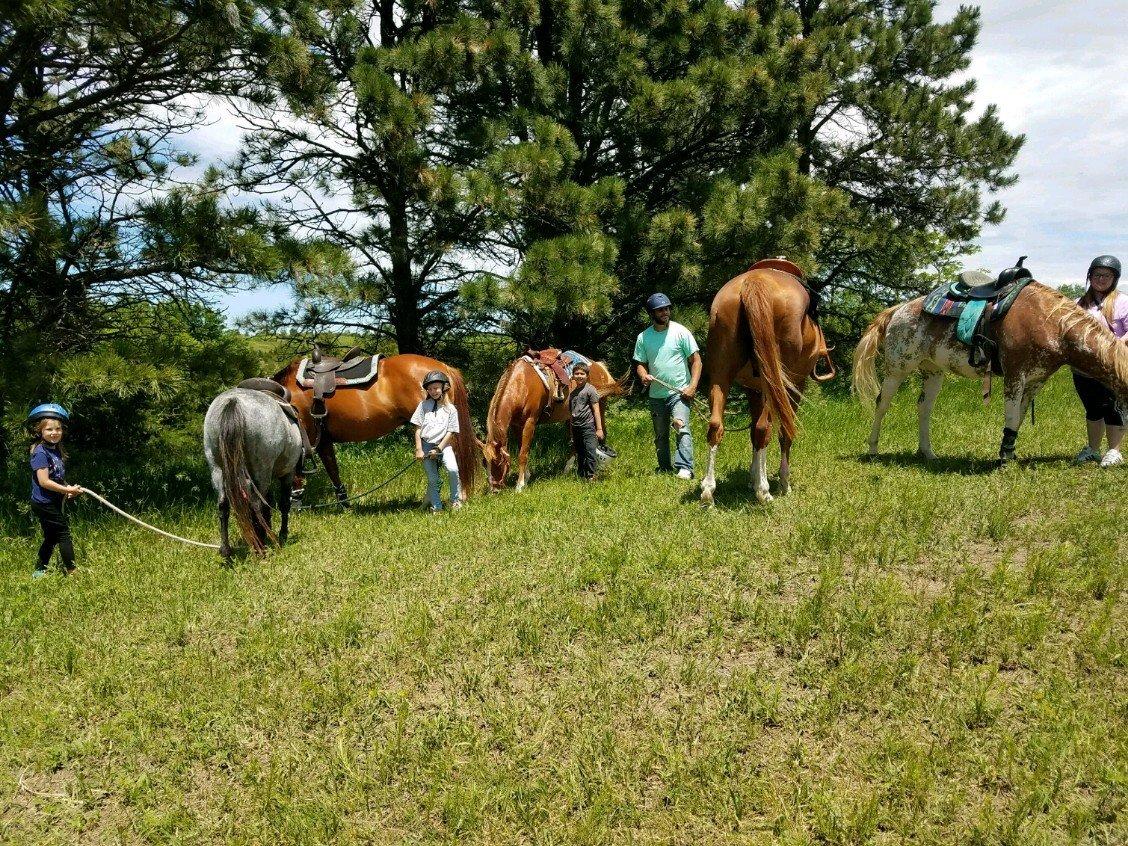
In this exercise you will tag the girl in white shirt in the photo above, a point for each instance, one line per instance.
(436, 424)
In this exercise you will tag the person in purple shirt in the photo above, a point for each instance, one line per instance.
(1103, 417)
(48, 486)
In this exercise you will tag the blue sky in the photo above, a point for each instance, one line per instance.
(1057, 72)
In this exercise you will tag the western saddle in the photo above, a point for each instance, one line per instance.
(976, 301)
(324, 374)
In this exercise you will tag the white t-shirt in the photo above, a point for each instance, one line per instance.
(434, 420)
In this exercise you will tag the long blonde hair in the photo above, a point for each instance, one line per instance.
(1108, 304)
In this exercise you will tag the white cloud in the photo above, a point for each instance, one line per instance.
(1056, 71)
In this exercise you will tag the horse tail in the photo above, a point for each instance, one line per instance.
(465, 445)
(238, 488)
(866, 385)
(776, 386)
(617, 387)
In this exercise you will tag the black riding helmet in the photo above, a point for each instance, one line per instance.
(436, 376)
(1013, 274)
(1110, 262)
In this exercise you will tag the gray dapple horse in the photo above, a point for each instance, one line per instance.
(249, 442)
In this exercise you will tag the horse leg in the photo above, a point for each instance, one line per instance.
(884, 400)
(784, 464)
(284, 509)
(761, 436)
(224, 530)
(527, 431)
(718, 397)
(928, 393)
(263, 527)
(1017, 395)
(328, 455)
(571, 462)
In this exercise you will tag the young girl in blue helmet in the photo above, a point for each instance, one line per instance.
(436, 425)
(1103, 417)
(48, 487)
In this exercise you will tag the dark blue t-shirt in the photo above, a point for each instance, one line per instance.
(45, 456)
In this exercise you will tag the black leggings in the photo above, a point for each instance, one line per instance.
(583, 439)
(56, 532)
(1099, 401)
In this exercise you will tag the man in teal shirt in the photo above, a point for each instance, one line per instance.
(666, 352)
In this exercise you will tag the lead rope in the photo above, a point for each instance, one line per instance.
(338, 502)
(702, 406)
(145, 525)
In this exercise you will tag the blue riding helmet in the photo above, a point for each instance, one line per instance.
(657, 301)
(47, 411)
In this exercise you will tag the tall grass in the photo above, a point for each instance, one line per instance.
(898, 651)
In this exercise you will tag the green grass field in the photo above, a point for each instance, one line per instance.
(897, 652)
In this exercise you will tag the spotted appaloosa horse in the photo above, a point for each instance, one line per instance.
(519, 403)
(763, 336)
(367, 413)
(1042, 332)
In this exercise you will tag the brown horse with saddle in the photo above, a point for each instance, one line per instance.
(361, 397)
(765, 337)
(531, 391)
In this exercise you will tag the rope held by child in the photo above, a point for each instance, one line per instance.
(142, 523)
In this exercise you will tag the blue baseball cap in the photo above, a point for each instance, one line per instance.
(657, 301)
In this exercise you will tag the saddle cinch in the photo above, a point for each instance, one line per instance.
(324, 374)
(975, 301)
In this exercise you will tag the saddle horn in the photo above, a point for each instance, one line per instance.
(315, 356)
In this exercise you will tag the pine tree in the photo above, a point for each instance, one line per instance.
(888, 121)
(383, 147)
(93, 95)
(666, 161)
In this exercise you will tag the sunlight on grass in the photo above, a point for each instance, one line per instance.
(898, 651)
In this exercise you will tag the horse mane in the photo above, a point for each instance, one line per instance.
(495, 401)
(284, 372)
(1076, 323)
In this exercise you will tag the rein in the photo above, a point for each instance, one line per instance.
(373, 490)
(142, 523)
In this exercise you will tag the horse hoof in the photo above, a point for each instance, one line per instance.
(764, 496)
(706, 498)
(926, 454)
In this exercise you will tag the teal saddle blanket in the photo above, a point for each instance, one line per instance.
(968, 313)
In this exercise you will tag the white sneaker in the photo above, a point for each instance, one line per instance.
(1112, 457)
(685, 474)
(1087, 454)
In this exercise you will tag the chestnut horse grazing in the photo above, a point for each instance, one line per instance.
(519, 403)
(372, 411)
(1042, 331)
(763, 336)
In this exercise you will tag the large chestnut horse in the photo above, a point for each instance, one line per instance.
(519, 403)
(764, 337)
(1042, 331)
(366, 413)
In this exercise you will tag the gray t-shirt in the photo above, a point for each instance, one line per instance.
(580, 403)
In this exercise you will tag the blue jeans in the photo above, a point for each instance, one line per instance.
(434, 477)
(662, 412)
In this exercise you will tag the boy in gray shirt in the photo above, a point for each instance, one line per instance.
(587, 422)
